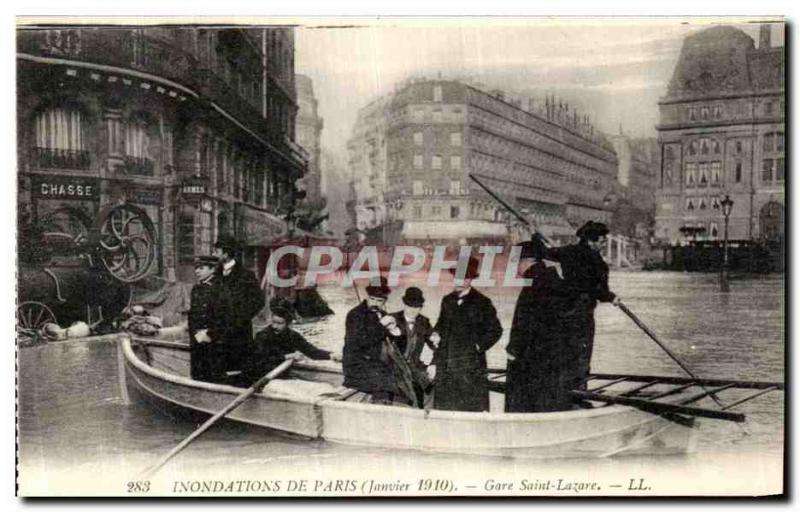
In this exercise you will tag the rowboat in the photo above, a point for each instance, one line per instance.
(158, 370)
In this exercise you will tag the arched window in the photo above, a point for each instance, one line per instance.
(59, 139)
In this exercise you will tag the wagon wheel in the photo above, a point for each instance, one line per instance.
(127, 242)
(31, 317)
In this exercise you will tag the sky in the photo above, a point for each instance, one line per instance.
(615, 70)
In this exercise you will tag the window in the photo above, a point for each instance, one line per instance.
(779, 169)
(702, 203)
(455, 212)
(692, 113)
(703, 179)
(437, 93)
(716, 168)
(769, 142)
(419, 114)
(716, 146)
(59, 139)
(778, 141)
(738, 174)
(455, 139)
(436, 162)
(715, 203)
(769, 107)
(714, 230)
(717, 112)
(137, 142)
(691, 174)
(766, 170)
(417, 212)
(693, 147)
(689, 203)
(436, 210)
(417, 138)
(455, 187)
(417, 188)
(704, 146)
(704, 112)
(738, 147)
(455, 162)
(437, 116)
(417, 161)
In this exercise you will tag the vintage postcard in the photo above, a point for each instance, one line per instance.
(400, 257)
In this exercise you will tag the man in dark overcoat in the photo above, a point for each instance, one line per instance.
(466, 329)
(244, 299)
(364, 361)
(536, 380)
(585, 284)
(206, 315)
(416, 330)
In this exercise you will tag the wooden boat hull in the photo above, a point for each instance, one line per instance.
(600, 432)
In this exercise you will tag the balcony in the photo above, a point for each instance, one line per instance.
(53, 158)
(139, 166)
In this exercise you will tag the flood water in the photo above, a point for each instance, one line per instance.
(75, 430)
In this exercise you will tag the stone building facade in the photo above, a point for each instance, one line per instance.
(308, 132)
(438, 132)
(194, 125)
(721, 132)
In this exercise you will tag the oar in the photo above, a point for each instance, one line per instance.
(221, 414)
(671, 354)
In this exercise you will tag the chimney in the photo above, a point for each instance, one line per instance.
(764, 34)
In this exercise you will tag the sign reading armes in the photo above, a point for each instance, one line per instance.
(66, 187)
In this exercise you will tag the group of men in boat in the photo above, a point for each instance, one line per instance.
(549, 349)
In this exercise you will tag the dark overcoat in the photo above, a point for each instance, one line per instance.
(365, 367)
(538, 378)
(207, 311)
(585, 283)
(271, 347)
(243, 300)
(411, 344)
(467, 331)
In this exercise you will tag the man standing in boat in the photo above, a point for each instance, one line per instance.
(243, 299)
(416, 330)
(585, 283)
(364, 361)
(278, 342)
(538, 355)
(205, 323)
(466, 329)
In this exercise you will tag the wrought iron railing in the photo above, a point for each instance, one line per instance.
(44, 158)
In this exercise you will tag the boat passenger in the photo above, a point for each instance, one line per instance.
(364, 360)
(466, 329)
(278, 342)
(243, 300)
(537, 379)
(206, 316)
(416, 330)
(585, 283)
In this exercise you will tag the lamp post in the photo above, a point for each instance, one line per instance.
(727, 206)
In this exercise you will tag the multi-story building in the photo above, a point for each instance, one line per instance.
(438, 132)
(193, 125)
(721, 133)
(366, 150)
(308, 132)
(638, 169)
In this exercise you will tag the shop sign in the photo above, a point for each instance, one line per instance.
(145, 195)
(194, 186)
(66, 187)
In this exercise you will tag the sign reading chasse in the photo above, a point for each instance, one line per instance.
(66, 187)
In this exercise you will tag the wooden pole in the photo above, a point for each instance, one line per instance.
(221, 414)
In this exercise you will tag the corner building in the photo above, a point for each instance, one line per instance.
(194, 125)
(438, 132)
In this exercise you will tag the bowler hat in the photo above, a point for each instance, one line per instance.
(472, 269)
(592, 230)
(382, 290)
(205, 260)
(413, 297)
(227, 243)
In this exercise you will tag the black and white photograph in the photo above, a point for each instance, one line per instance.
(400, 256)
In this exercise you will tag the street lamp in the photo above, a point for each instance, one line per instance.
(727, 206)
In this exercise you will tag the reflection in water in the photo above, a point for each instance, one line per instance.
(70, 415)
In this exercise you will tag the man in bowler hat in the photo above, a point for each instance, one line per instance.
(416, 330)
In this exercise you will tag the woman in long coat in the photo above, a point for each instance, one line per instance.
(537, 378)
